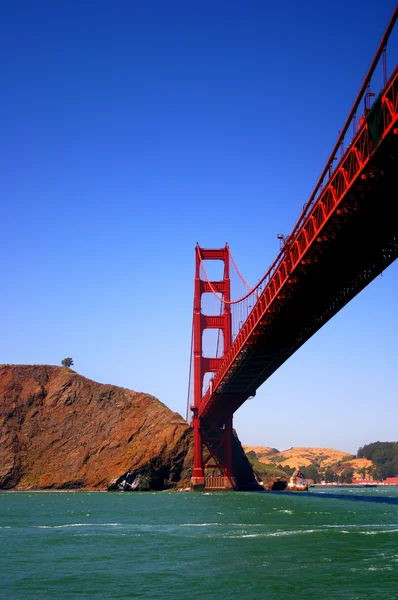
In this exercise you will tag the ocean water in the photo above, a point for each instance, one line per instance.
(325, 545)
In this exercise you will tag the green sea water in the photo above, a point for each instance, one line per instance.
(324, 545)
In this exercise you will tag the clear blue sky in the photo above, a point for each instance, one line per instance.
(132, 130)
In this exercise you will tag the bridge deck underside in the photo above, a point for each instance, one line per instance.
(356, 244)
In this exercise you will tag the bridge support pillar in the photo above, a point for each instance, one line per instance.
(213, 455)
(197, 472)
(228, 467)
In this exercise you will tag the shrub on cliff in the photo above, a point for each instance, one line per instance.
(67, 362)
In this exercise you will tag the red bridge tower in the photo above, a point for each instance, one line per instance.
(212, 437)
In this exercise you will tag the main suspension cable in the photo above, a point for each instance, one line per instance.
(252, 290)
(237, 270)
(190, 371)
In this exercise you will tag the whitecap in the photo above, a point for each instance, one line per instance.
(274, 534)
(76, 525)
(315, 512)
(297, 532)
(379, 531)
(199, 524)
(246, 524)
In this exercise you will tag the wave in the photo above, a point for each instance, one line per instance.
(200, 524)
(354, 496)
(76, 525)
(379, 531)
(275, 533)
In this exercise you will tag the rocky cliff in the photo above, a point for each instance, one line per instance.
(60, 430)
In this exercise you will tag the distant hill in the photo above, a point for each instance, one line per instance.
(262, 452)
(316, 463)
(384, 455)
(299, 457)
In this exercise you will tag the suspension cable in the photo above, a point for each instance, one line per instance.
(380, 51)
(289, 240)
(214, 291)
(190, 371)
(237, 270)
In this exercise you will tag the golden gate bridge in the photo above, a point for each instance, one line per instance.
(347, 234)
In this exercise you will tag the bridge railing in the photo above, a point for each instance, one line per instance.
(330, 189)
(215, 482)
(365, 94)
(344, 141)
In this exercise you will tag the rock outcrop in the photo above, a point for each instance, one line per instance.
(61, 430)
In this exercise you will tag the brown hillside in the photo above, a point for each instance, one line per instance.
(356, 464)
(262, 452)
(302, 457)
(298, 457)
(61, 430)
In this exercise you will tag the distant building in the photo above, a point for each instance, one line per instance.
(297, 481)
(358, 481)
(391, 481)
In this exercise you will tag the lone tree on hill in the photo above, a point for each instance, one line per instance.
(67, 362)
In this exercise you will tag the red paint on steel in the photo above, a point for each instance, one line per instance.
(221, 450)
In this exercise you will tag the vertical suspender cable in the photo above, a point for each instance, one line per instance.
(190, 372)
